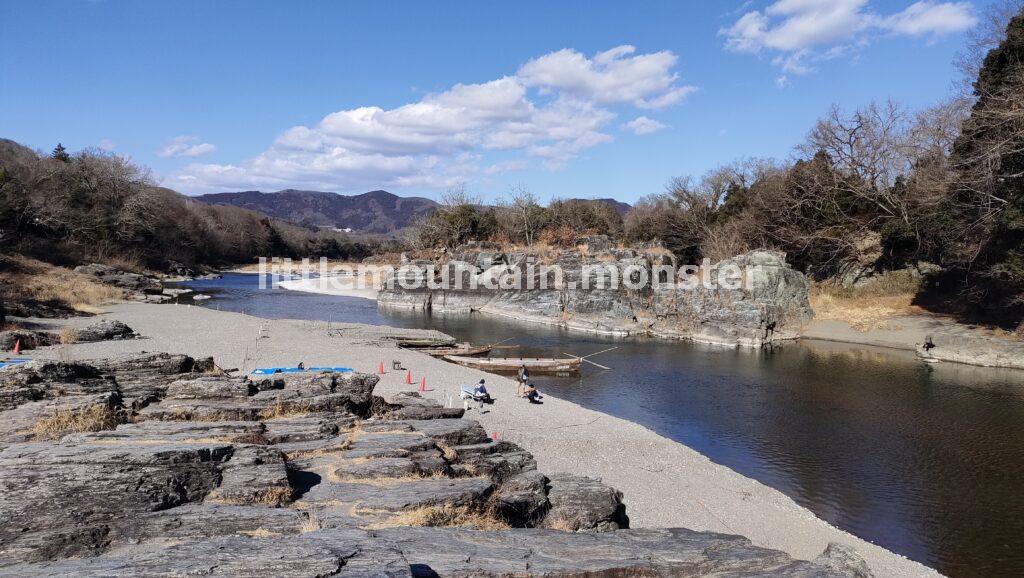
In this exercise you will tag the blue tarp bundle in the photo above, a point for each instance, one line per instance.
(273, 370)
(10, 362)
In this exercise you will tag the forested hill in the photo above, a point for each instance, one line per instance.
(93, 206)
(372, 212)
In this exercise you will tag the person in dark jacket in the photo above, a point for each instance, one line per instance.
(524, 378)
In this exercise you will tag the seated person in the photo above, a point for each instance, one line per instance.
(532, 394)
(480, 393)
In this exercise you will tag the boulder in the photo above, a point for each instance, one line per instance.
(408, 405)
(522, 499)
(105, 330)
(582, 504)
(845, 560)
(27, 338)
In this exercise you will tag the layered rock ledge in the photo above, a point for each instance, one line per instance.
(160, 464)
(769, 304)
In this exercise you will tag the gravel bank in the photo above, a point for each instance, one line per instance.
(665, 483)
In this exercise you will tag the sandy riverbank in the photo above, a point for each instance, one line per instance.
(665, 483)
(341, 286)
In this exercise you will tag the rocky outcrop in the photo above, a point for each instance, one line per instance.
(972, 348)
(306, 475)
(751, 299)
(132, 282)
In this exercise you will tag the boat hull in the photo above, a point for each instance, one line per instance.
(568, 366)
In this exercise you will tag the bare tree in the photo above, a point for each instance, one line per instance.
(520, 215)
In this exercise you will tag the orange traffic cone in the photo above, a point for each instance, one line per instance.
(17, 347)
(408, 377)
(423, 384)
(380, 368)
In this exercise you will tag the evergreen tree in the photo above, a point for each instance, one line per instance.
(989, 159)
(60, 153)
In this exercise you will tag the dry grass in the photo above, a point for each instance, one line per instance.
(312, 522)
(448, 452)
(68, 335)
(445, 516)
(869, 307)
(560, 524)
(63, 422)
(284, 410)
(274, 497)
(386, 482)
(260, 533)
(31, 279)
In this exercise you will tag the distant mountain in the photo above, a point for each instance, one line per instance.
(373, 212)
(620, 207)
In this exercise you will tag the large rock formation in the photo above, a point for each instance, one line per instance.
(751, 299)
(161, 465)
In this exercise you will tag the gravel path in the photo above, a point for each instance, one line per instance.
(665, 483)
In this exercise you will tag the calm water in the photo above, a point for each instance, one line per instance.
(926, 460)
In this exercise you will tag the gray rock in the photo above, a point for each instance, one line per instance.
(122, 279)
(18, 424)
(144, 377)
(496, 460)
(770, 305)
(38, 380)
(844, 559)
(522, 500)
(410, 405)
(581, 504)
(210, 387)
(972, 349)
(60, 500)
(536, 552)
(345, 553)
(105, 330)
(26, 339)
(371, 499)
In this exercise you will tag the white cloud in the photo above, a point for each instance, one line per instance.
(799, 33)
(924, 18)
(186, 146)
(553, 109)
(610, 77)
(106, 144)
(643, 125)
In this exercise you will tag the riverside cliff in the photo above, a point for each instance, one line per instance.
(770, 303)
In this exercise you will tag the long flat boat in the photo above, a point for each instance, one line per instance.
(461, 351)
(569, 365)
(423, 342)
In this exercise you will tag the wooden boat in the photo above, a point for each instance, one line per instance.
(465, 350)
(423, 342)
(569, 365)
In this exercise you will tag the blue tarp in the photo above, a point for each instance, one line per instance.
(9, 362)
(273, 370)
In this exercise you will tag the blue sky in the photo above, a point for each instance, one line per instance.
(582, 99)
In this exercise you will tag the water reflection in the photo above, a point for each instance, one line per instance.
(925, 460)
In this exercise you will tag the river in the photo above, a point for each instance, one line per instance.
(925, 460)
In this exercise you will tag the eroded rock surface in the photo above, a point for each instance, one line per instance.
(162, 465)
(765, 301)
